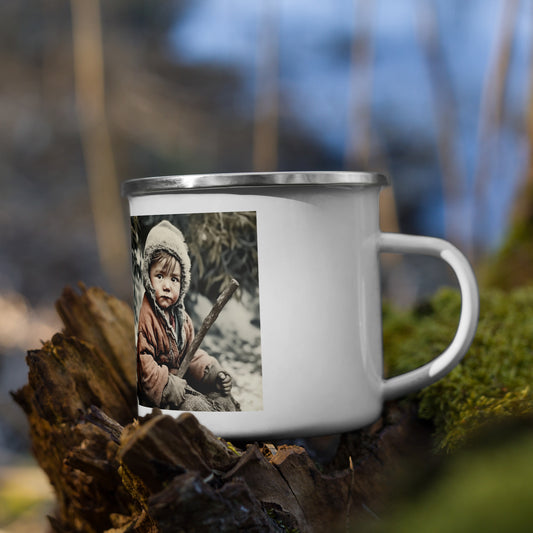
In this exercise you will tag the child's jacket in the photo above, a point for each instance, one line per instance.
(162, 342)
(158, 353)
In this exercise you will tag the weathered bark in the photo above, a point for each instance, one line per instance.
(112, 472)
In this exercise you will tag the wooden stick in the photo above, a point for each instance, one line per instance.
(222, 300)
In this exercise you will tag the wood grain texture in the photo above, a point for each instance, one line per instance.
(116, 473)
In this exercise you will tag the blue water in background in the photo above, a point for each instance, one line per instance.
(314, 83)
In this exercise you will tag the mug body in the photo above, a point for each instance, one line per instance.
(318, 353)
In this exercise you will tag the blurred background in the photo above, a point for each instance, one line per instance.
(435, 93)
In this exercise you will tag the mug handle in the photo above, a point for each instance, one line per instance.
(434, 370)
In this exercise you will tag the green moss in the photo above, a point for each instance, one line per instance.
(485, 488)
(231, 447)
(493, 379)
(511, 265)
(273, 515)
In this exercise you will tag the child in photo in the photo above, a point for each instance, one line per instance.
(165, 330)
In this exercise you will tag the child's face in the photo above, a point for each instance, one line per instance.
(166, 281)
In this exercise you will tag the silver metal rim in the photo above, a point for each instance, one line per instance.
(184, 183)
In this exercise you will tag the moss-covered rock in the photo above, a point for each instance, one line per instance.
(493, 380)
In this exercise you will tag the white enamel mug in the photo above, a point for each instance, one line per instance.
(313, 364)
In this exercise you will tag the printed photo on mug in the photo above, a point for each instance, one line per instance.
(198, 339)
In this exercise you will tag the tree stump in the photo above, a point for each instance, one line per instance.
(116, 473)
